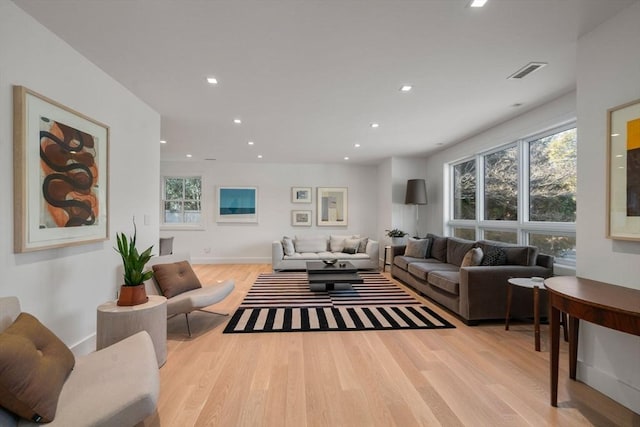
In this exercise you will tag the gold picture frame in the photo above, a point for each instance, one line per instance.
(60, 174)
(623, 172)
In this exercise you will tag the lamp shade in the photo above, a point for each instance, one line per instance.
(416, 192)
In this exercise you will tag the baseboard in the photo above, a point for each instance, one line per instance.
(605, 383)
(218, 260)
(86, 346)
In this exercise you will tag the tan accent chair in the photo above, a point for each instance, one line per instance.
(193, 300)
(116, 386)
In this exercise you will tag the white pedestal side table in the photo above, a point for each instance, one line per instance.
(116, 323)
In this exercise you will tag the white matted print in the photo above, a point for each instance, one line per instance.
(301, 195)
(301, 218)
(61, 174)
(332, 206)
(237, 204)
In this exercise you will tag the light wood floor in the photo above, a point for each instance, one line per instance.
(468, 376)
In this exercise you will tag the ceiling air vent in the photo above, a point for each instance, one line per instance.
(526, 70)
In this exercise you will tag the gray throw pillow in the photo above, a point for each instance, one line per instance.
(363, 245)
(351, 246)
(495, 256)
(287, 245)
(416, 248)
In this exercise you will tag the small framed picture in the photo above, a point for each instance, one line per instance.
(301, 218)
(301, 195)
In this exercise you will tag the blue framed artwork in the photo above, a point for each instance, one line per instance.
(237, 204)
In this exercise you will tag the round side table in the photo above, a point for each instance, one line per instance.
(116, 323)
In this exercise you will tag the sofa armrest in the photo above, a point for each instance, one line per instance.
(373, 248)
(397, 250)
(482, 287)
(277, 252)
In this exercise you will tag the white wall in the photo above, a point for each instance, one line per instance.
(251, 243)
(608, 75)
(63, 287)
(552, 114)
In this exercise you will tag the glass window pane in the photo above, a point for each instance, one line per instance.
(464, 190)
(465, 233)
(561, 247)
(553, 178)
(173, 212)
(173, 188)
(501, 236)
(192, 189)
(501, 185)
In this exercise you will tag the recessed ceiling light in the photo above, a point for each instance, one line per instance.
(212, 80)
(259, 156)
(615, 134)
(477, 3)
(374, 125)
(162, 141)
(237, 121)
(406, 88)
(346, 158)
(189, 156)
(620, 167)
(618, 155)
(250, 142)
(356, 145)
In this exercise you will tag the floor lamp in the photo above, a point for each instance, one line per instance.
(416, 195)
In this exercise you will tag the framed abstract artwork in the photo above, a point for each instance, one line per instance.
(301, 195)
(623, 172)
(332, 206)
(301, 218)
(237, 204)
(61, 175)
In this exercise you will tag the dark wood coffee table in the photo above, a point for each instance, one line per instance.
(327, 277)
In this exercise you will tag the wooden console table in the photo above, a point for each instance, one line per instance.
(611, 306)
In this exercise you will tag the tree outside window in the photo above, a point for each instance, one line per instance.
(464, 190)
(182, 200)
(501, 185)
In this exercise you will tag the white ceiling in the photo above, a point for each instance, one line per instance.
(307, 77)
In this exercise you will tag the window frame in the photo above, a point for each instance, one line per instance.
(522, 226)
(182, 225)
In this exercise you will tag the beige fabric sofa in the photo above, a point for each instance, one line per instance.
(475, 292)
(117, 386)
(318, 248)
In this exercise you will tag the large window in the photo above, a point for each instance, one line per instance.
(523, 192)
(181, 200)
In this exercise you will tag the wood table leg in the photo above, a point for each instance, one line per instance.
(574, 324)
(536, 316)
(506, 316)
(565, 326)
(554, 337)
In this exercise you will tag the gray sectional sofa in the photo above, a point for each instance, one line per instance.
(474, 292)
(293, 253)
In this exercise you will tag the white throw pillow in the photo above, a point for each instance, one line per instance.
(314, 244)
(287, 245)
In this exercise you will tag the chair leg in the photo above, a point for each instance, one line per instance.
(213, 312)
(186, 316)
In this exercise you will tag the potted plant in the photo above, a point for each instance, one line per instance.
(132, 292)
(397, 236)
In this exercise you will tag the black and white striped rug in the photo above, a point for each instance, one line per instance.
(283, 302)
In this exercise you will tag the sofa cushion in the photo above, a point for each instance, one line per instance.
(494, 256)
(472, 257)
(448, 281)
(457, 249)
(438, 247)
(416, 248)
(311, 244)
(287, 245)
(34, 365)
(175, 278)
(421, 270)
(404, 261)
(515, 255)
